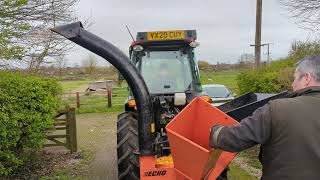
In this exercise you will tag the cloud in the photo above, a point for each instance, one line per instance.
(225, 28)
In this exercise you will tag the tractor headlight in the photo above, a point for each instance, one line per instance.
(138, 48)
(180, 99)
(194, 44)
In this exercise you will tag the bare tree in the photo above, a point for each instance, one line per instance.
(306, 12)
(30, 23)
(90, 64)
(246, 57)
(41, 43)
(246, 60)
(204, 65)
(61, 63)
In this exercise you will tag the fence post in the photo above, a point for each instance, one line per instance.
(109, 91)
(68, 140)
(78, 100)
(109, 98)
(72, 130)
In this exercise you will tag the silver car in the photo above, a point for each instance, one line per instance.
(219, 93)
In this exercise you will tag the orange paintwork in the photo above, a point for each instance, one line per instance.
(164, 160)
(188, 136)
(206, 98)
(149, 170)
(132, 103)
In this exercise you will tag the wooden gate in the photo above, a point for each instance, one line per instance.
(64, 132)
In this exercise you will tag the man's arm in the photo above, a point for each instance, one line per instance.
(255, 129)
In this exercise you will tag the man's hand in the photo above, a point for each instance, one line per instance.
(214, 135)
(255, 129)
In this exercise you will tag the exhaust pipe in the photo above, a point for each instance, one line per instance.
(75, 32)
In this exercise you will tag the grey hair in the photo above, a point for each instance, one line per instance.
(310, 64)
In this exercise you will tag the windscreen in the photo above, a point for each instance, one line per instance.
(165, 71)
(217, 92)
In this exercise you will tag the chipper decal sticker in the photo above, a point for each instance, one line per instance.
(155, 173)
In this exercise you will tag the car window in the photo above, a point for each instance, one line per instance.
(220, 92)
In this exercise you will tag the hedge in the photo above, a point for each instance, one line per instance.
(269, 79)
(279, 75)
(27, 108)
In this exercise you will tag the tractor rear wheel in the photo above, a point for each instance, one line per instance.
(127, 144)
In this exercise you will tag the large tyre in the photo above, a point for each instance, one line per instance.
(223, 175)
(127, 144)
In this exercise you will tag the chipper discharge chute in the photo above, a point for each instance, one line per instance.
(143, 148)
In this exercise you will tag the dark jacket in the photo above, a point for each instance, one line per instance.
(289, 132)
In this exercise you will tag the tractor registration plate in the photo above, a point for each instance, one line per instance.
(166, 35)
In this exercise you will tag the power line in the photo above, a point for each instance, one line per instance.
(268, 50)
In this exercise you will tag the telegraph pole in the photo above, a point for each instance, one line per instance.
(257, 45)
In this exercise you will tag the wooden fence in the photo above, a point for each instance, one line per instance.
(64, 132)
(109, 98)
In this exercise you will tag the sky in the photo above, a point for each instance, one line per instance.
(225, 28)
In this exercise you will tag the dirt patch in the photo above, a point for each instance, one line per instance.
(82, 88)
(97, 133)
(44, 163)
(96, 157)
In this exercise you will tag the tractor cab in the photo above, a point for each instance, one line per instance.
(167, 64)
(166, 61)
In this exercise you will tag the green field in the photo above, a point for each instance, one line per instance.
(97, 102)
(72, 85)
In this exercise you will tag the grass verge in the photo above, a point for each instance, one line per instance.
(236, 173)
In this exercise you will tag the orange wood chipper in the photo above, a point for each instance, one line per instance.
(164, 131)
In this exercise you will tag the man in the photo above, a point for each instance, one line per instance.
(287, 129)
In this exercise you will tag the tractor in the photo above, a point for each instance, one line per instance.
(166, 60)
(163, 77)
